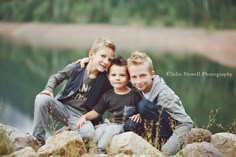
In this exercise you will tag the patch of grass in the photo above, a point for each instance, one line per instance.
(6, 146)
(231, 128)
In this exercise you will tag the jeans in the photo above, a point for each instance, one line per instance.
(129, 124)
(104, 133)
(173, 137)
(65, 114)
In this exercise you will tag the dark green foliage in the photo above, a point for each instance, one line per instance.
(200, 94)
(207, 13)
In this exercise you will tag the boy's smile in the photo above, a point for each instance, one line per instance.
(102, 58)
(118, 77)
(141, 77)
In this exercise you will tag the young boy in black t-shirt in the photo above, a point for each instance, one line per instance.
(120, 102)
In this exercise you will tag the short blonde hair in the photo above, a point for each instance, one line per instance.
(138, 58)
(103, 43)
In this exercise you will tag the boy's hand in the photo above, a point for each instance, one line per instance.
(136, 118)
(81, 121)
(82, 62)
(47, 93)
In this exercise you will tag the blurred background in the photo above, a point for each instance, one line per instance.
(39, 37)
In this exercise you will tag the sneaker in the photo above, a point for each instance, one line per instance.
(99, 151)
(38, 142)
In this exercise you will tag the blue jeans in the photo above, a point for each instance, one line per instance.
(66, 115)
(129, 124)
(173, 139)
(150, 111)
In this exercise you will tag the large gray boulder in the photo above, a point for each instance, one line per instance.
(203, 149)
(225, 143)
(20, 139)
(131, 144)
(24, 152)
(66, 143)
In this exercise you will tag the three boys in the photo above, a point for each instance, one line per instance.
(86, 86)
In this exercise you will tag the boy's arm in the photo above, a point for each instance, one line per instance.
(57, 78)
(88, 116)
(83, 61)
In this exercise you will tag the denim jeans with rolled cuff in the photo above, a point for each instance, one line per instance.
(152, 112)
(129, 124)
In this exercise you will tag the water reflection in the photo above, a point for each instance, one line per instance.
(25, 70)
(12, 116)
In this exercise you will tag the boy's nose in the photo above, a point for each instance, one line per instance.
(117, 77)
(106, 61)
(138, 80)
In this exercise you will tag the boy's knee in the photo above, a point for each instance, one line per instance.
(141, 108)
(87, 135)
(42, 101)
(87, 131)
(133, 126)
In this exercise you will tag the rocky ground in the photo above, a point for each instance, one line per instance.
(218, 45)
(199, 143)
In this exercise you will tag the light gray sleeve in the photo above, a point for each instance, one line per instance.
(173, 105)
(55, 79)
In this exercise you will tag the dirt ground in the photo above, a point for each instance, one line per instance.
(217, 45)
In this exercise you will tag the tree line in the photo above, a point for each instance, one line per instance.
(204, 13)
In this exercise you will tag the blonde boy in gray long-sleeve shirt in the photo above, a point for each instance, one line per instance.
(159, 97)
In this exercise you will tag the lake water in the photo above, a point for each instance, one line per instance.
(201, 84)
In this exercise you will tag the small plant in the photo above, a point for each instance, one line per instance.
(6, 146)
(212, 118)
(152, 130)
(229, 128)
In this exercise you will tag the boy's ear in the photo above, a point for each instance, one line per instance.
(91, 54)
(152, 72)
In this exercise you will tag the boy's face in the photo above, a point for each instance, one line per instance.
(118, 76)
(101, 59)
(141, 77)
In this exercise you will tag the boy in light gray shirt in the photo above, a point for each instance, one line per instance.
(159, 104)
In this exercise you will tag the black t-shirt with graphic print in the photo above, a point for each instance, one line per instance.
(78, 100)
(115, 104)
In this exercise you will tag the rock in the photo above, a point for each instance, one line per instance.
(134, 155)
(94, 155)
(20, 139)
(225, 143)
(203, 149)
(24, 152)
(130, 143)
(64, 128)
(198, 135)
(66, 143)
